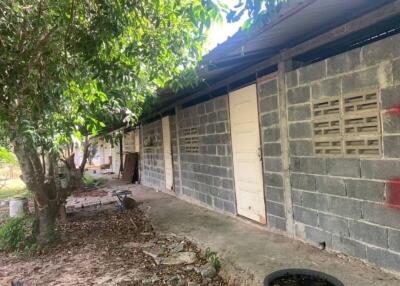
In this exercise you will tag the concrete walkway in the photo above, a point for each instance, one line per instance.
(255, 250)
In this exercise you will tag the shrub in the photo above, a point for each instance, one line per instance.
(92, 182)
(213, 258)
(16, 235)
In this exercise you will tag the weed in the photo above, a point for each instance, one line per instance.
(92, 182)
(16, 235)
(213, 258)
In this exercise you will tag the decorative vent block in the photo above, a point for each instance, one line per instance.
(362, 146)
(190, 140)
(326, 107)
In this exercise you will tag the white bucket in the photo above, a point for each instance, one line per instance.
(18, 207)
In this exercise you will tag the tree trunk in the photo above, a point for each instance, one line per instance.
(45, 224)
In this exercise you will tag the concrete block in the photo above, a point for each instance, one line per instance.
(329, 185)
(229, 207)
(390, 96)
(276, 222)
(268, 104)
(272, 134)
(382, 50)
(297, 197)
(306, 216)
(275, 209)
(298, 95)
(365, 190)
(384, 258)
(391, 146)
(201, 109)
(381, 214)
(273, 179)
(303, 182)
(344, 207)
(212, 117)
(336, 225)
(272, 149)
(345, 62)
(318, 236)
(394, 240)
(221, 103)
(326, 88)
(314, 201)
(272, 164)
(268, 88)
(368, 233)
(360, 80)
(274, 194)
(270, 119)
(349, 247)
(301, 148)
(308, 165)
(220, 127)
(292, 79)
(299, 112)
(210, 129)
(391, 123)
(227, 184)
(396, 71)
(209, 106)
(312, 72)
(222, 115)
(343, 167)
(203, 119)
(300, 130)
(380, 169)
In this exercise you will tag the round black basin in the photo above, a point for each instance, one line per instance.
(300, 277)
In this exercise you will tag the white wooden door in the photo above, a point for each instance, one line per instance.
(169, 182)
(247, 153)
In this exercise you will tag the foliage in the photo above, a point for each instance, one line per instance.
(16, 235)
(13, 188)
(213, 258)
(7, 157)
(92, 182)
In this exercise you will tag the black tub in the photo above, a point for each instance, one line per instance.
(302, 274)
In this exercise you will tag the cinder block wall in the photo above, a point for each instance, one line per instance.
(272, 161)
(153, 156)
(350, 202)
(207, 175)
(175, 156)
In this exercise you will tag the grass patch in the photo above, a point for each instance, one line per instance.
(13, 188)
(93, 182)
(16, 235)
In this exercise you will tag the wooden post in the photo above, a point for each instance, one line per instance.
(178, 149)
(283, 67)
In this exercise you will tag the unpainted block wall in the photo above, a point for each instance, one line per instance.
(351, 204)
(207, 176)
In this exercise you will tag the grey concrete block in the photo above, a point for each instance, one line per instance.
(298, 95)
(201, 109)
(301, 148)
(276, 222)
(299, 112)
(229, 207)
(209, 106)
(334, 224)
(344, 207)
(381, 214)
(380, 169)
(297, 197)
(314, 201)
(221, 102)
(268, 104)
(391, 146)
(330, 185)
(349, 247)
(272, 164)
(396, 71)
(343, 167)
(222, 115)
(275, 209)
(210, 129)
(299, 130)
(270, 119)
(326, 88)
(390, 96)
(273, 179)
(343, 63)
(212, 117)
(360, 80)
(272, 134)
(391, 123)
(382, 50)
(303, 182)
(292, 79)
(220, 127)
(394, 240)
(272, 149)
(384, 258)
(268, 88)
(368, 233)
(365, 190)
(306, 216)
(318, 236)
(308, 165)
(274, 194)
(312, 72)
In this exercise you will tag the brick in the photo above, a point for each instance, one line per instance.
(299, 112)
(292, 79)
(272, 164)
(360, 80)
(270, 119)
(297, 197)
(318, 236)
(301, 148)
(368, 233)
(308, 165)
(329, 185)
(274, 194)
(381, 214)
(390, 96)
(326, 88)
(268, 104)
(391, 146)
(394, 240)
(384, 258)
(299, 130)
(298, 95)
(272, 149)
(334, 224)
(303, 182)
(268, 88)
(380, 169)
(343, 167)
(271, 134)
(273, 179)
(312, 72)
(382, 50)
(344, 62)
(305, 216)
(391, 123)
(275, 209)
(365, 190)
(276, 222)
(349, 247)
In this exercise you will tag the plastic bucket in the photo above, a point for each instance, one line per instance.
(18, 207)
(305, 274)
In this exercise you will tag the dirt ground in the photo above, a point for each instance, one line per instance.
(108, 247)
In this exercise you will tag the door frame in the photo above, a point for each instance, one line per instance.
(167, 118)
